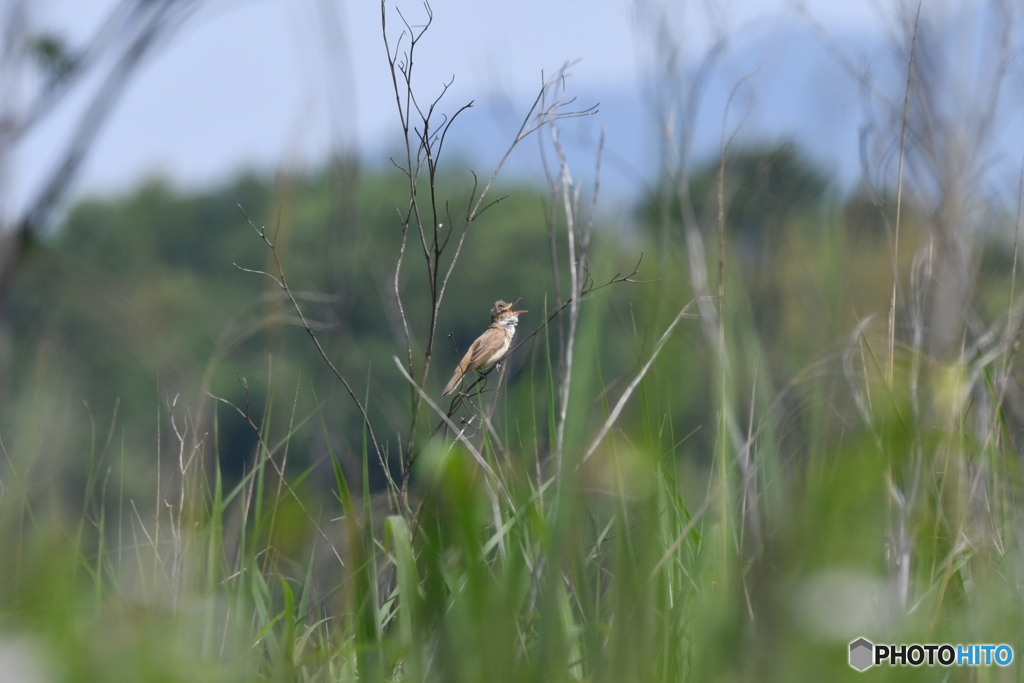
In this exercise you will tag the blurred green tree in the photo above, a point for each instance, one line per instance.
(764, 189)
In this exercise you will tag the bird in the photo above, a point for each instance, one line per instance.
(489, 347)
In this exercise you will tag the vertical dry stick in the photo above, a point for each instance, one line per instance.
(552, 214)
(551, 116)
(748, 476)
(899, 200)
(1013, 271)
(743, 459)
(569, 194)
(722, 358)
(576, 253)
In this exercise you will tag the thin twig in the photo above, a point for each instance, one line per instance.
(282, 282)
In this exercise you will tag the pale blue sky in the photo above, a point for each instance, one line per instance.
(261, 82)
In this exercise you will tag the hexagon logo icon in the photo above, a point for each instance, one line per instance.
(861, 654)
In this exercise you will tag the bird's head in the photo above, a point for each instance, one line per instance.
(505, 313)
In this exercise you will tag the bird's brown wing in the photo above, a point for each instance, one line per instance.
(481, 351)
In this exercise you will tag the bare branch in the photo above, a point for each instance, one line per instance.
(283, 284)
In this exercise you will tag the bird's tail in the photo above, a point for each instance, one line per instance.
(456, 379)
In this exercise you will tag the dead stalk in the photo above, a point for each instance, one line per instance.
(899, 200)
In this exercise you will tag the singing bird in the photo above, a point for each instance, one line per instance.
(489, 347)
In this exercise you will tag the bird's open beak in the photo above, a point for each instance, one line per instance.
(512, 306)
